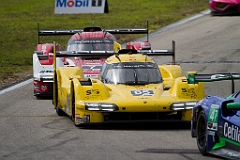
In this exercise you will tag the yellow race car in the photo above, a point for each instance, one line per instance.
(131, 87)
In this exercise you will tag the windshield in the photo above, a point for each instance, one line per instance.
(93, 45)
(132, 73)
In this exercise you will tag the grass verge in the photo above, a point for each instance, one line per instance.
(18, 27)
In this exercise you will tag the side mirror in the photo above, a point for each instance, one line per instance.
(116, 47)
(233, 106)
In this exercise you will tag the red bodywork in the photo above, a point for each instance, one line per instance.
(92, 35)
(41, 87)
(91, 67)
(224, 7)
(139, 45)
(45, 88)
(47, 56)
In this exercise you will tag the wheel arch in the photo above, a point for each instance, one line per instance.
(196, 112)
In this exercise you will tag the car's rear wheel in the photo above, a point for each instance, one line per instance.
(202, 133)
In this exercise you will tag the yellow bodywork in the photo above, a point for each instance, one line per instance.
(116, 46)
(74, 93)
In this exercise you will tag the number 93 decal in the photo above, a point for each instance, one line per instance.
(142, 93)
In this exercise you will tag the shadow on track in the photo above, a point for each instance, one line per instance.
(176, 151)
(161, 125)
(39, 98)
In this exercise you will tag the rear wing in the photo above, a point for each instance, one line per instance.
(194, 78)
(88, 29)
(166, 52)
(106, 54)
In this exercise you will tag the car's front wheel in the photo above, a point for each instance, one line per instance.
(59, 112)
(202, 133)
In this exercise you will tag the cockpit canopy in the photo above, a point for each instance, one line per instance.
(91, 45)
(131, 73)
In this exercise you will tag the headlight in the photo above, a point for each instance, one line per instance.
(182, 105)
(101, 107)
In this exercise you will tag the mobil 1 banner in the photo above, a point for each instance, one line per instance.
(80, 6)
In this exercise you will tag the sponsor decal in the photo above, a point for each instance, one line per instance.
(90, 76)
(217, 76)
(78, 118)
(44, 88)
(231, 132)
(79, 6)
(189, 92)
(87, 75)
(37, 87)
(213, 117)
(44, 49)
(72, 3)
(46, 71)
(91, 67)
(92, 61)
(97, 41)
(93, 91)
(227, 153)
(142, 93)
(138, 66)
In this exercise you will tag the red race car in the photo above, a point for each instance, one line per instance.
(224, 7)
(88, 39)
(139, 45)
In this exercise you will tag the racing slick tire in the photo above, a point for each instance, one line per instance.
(202, 133)
(59, 111)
